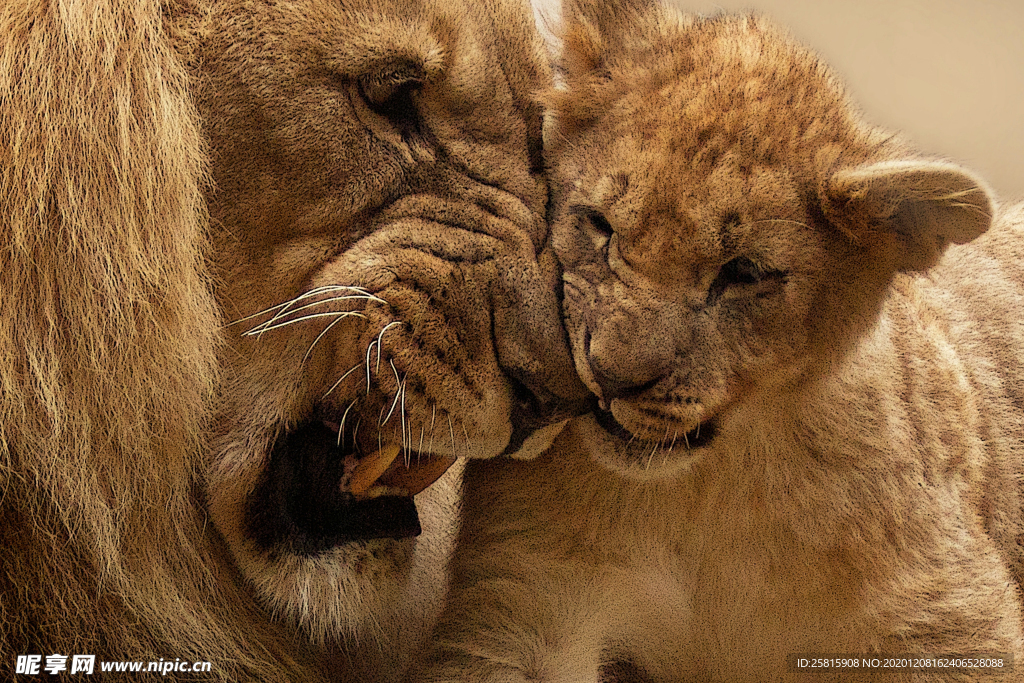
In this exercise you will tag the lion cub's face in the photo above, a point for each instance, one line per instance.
(379, 232)
(726, 223)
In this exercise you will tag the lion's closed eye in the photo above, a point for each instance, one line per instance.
(390, 91)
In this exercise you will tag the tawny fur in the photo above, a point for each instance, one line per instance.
(133, 406)
(826, 439)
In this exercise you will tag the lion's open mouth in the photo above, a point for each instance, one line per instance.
(698, 437)
(319, 491)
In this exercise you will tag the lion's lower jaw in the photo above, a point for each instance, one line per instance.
(384, 595)
(337, 595)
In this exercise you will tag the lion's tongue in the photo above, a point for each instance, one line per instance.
(385, 468)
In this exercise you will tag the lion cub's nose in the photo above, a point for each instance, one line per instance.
(613, 386)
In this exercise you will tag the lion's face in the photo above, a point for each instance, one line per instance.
(726, 225)
(379, 227)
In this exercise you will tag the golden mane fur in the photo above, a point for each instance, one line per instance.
(130, 407)
(110, 340)
(109, 343)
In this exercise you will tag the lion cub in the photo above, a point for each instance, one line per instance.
(807, 341)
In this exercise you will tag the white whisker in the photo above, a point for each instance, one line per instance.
(338, 383)
(362, 294)
(402, 415)
(369, 349)
(433, 415)
(398, 393)
(267, 327)
(326, 330)
(451, 432)
(419, 451)
(285, 307)
(380, 338)
(270, 324)
(341, 427)
(650, 458)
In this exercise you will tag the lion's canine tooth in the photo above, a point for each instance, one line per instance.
(371, 467)
(419, 475)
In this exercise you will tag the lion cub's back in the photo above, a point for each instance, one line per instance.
(977, 295)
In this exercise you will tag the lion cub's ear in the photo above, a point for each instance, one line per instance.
(925, 204)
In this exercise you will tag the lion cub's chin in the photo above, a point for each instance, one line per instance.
(641, 443)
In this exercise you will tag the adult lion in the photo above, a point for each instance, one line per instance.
(251, 250)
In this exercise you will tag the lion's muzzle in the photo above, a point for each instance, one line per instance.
(438, 335)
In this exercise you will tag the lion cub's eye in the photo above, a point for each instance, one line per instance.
(600, 223)
(742, 271)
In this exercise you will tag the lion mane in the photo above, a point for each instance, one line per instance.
(109, 339)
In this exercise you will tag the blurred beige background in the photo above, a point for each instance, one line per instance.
(948, 73)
